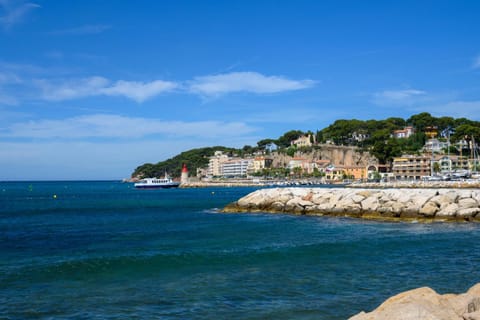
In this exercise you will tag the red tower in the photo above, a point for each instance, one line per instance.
(184, 176)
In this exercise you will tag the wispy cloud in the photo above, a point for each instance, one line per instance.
(50, 85)
(82, 30)
(139, 91)
(67, 90)
(96, 86)
(399, 97)
(8, 100)
(216, 85)
(115, 126)
(476, 63)
(20, 68)
(7, 79)
(14, 12)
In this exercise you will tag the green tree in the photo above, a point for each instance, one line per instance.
(262, 144)
(297, 172)
(285, 140)
(291, 151)
(422, 120)
(386, 151)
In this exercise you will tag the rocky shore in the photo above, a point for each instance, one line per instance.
(463, 184)
(380, 204)
(425, 303)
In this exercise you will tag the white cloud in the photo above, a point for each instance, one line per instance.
(15, 12)
(82, 30)
(66, 90)
(104, 146)
(95, 86)
(254, 82)
(114, 126)
(139, 91)
(399, 97)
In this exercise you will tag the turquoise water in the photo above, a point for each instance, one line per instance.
(103, 250)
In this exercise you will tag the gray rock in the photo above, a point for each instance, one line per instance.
(370, 204)
(357, 198)
(429, 209)
(468, 212)
(466, 203)
(449, 210)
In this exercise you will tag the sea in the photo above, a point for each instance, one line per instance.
(104, 250)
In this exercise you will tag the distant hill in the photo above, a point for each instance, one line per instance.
(376, 138)
(195, 158)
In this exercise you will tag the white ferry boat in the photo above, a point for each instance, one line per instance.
(156, 183)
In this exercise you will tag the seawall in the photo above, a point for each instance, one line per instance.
(380, 204)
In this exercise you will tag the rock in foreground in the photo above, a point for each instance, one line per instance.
(381, 204)
(425, 303)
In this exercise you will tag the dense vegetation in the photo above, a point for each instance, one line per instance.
(377, 134)
(195, 158)
(374, 136)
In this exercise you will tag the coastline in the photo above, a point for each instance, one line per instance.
(461, 184)
(252, 183)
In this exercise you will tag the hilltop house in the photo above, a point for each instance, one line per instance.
(404, 133)
(435, 145)
(304, 141)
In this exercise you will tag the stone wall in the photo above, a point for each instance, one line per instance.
(339, 155)
(381, 204)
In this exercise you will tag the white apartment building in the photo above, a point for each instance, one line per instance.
(434, 145)
(215, 164)
(236, 167)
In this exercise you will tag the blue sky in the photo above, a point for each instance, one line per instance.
(92, 89)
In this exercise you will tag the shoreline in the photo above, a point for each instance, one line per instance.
(463, 184)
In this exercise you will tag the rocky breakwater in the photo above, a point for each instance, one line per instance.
(425, 303)
(381, 204)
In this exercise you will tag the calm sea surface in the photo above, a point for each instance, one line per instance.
(103, 250)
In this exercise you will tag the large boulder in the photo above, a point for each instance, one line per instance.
(424, 303)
